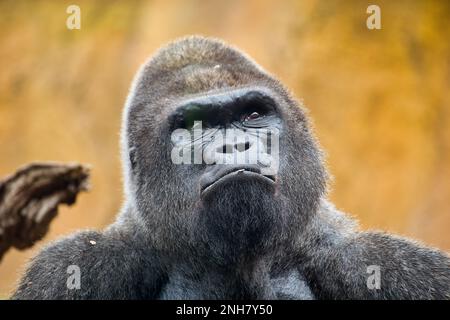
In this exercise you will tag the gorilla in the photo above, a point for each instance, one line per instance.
(218, 229)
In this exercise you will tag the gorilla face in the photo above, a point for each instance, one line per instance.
(228, 198)
(238, 212)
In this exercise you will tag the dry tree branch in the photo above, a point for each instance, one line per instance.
(30, 197)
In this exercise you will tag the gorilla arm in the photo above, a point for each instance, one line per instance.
(110, 268)
(339, 257)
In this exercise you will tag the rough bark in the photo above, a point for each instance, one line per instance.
(30, 197)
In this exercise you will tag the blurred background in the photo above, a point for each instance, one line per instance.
(379, 99)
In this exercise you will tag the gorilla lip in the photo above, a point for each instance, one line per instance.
(213, 179)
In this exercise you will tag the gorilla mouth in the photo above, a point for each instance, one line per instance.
(222, 174)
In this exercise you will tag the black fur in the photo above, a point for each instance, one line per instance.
(247, 239)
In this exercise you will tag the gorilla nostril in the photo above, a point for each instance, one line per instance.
(226, 148)
(241, 147)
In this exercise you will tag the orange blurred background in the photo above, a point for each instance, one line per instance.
(379, 99)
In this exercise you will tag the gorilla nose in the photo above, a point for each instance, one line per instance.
(239, 148)
(236, 147)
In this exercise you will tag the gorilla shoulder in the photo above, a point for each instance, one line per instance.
(90, 265)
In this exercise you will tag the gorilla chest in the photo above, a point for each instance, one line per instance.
(212, 286)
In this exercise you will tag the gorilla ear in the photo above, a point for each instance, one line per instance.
(132, 157)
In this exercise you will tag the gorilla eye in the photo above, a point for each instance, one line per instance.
(253, 116)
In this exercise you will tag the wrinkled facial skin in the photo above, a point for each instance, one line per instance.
(225, 212)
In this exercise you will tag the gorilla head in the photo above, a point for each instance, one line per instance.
(227, 212)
